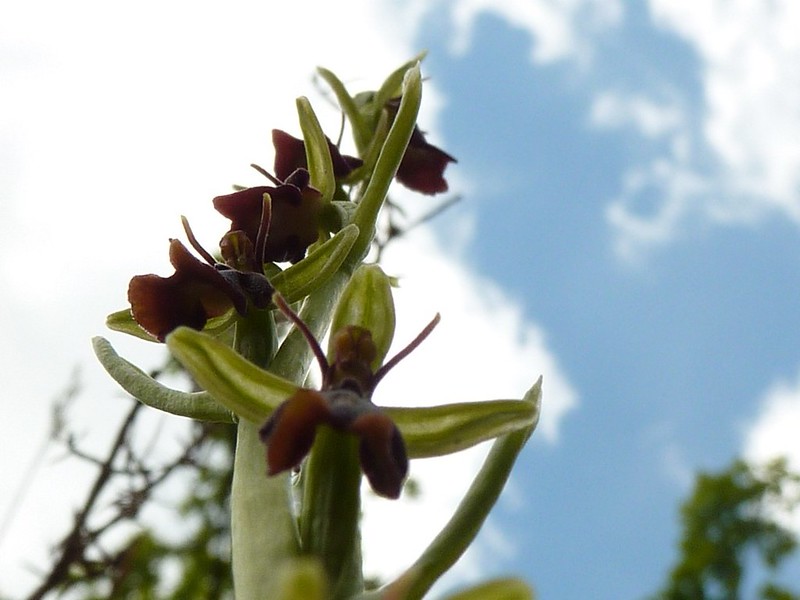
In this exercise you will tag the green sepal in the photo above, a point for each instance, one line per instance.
(337, 214)
(448, 428)
(497, 589)
(361, 131)
(462, 528)
(301, 279)
(392, 86)
(318, 155)
(238, 384)
(367, 302)
(195, 405)
(123, 321)
(389, 160)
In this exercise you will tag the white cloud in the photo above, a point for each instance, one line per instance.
(651, 119)
(774, 433)
(118, 120)
(744, 141)
(558, 29)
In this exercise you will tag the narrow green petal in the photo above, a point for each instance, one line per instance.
(462, 528)
(301, 279)
(198, 405)
(497, 589)
(318, 155)
(244, 388)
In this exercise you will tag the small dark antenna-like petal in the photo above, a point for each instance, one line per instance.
(406, 351)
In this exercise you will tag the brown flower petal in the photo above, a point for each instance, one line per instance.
(290, 155)
(290, 430)
(195, 293)
(294, 223)
(423, 164)
(382, 453)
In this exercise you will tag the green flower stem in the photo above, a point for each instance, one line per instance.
(329, 525)
(294, 355)
(263, 530)
(329, 516)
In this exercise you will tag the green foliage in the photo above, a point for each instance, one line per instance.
(730, 516)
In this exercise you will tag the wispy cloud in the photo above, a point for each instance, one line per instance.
(558, 30)
(734, 158)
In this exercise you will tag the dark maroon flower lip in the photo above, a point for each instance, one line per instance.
(345, 404)
(423, 164)
(199, 291)
(290, 155)
(290, 431)
(195, 293)
(295, 210)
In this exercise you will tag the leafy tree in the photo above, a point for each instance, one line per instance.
(728, 517)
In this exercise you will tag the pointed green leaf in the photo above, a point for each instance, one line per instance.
(198, 405)
(301, 279)
(244, 388)
(318, 155)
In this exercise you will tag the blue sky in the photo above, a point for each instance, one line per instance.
(671, 341)
(629, 227)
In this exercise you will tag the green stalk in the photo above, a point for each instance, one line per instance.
(330, 528)
(263, 530)
(331, 500)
